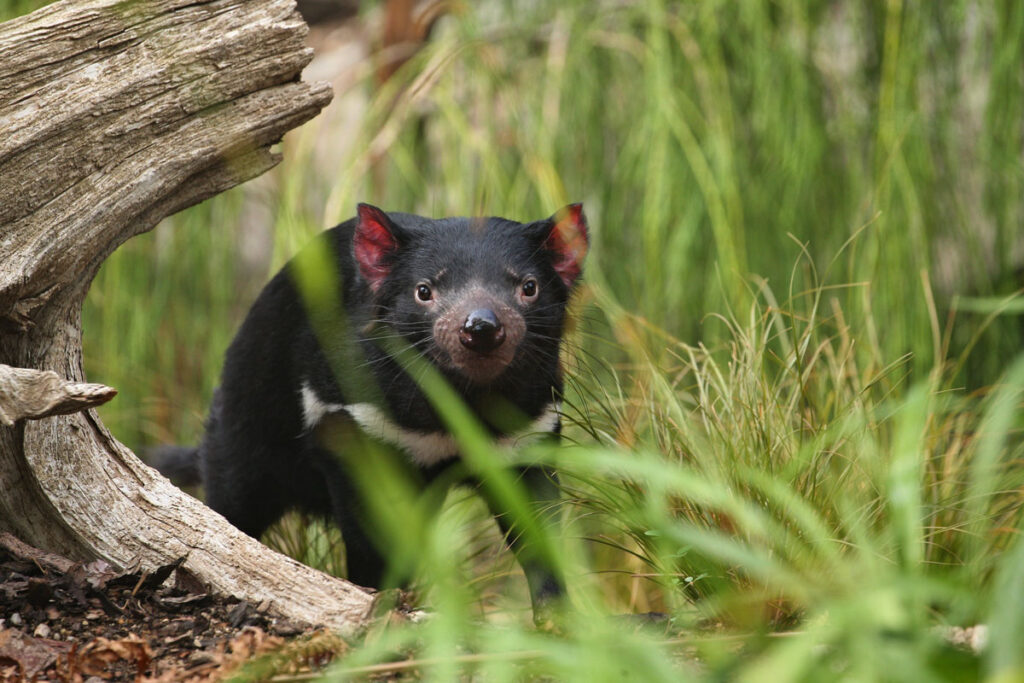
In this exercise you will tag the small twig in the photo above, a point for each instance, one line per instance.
(459, 659)
(142, 579)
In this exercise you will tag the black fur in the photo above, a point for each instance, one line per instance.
(180, 464)
(259, 457)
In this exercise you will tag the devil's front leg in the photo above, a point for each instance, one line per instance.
(531, 538)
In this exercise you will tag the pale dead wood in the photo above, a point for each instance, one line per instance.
(114, 115)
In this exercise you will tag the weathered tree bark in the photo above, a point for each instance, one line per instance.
(113, 115)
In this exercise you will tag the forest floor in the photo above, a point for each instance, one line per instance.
(64, 621)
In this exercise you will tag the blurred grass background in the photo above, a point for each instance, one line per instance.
(792, 379)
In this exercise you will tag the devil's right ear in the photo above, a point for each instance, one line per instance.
(374, 244)
(566, 239)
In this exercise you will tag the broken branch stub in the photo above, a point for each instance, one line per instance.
(34, 394)
(114, 115)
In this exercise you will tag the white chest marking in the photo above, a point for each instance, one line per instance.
(425, 448)
(313, 409)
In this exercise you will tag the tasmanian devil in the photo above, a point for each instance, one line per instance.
(481, 300)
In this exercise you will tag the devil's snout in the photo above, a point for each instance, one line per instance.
(479, 334)
(482, 331)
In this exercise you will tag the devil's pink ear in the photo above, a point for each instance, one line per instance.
(568, 242)
(374, 244)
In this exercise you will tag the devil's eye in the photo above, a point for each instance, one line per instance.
(423, 292)
(530, 288)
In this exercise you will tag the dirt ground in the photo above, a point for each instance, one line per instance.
(62, 621)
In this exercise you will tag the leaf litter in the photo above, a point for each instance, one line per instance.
(84, 623)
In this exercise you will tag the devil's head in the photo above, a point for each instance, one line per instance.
(477, 296)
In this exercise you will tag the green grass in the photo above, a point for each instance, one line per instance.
(794, 409)
(15, 8)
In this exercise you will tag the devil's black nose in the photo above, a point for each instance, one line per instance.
(482, 331)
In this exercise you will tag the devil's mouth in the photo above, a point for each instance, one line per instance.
(477, 367)
(481, 367)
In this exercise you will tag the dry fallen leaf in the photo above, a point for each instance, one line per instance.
(29, 655)
(96, 657)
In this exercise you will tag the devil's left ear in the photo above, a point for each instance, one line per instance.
(566, 241)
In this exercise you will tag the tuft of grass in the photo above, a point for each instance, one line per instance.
(796, 515)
